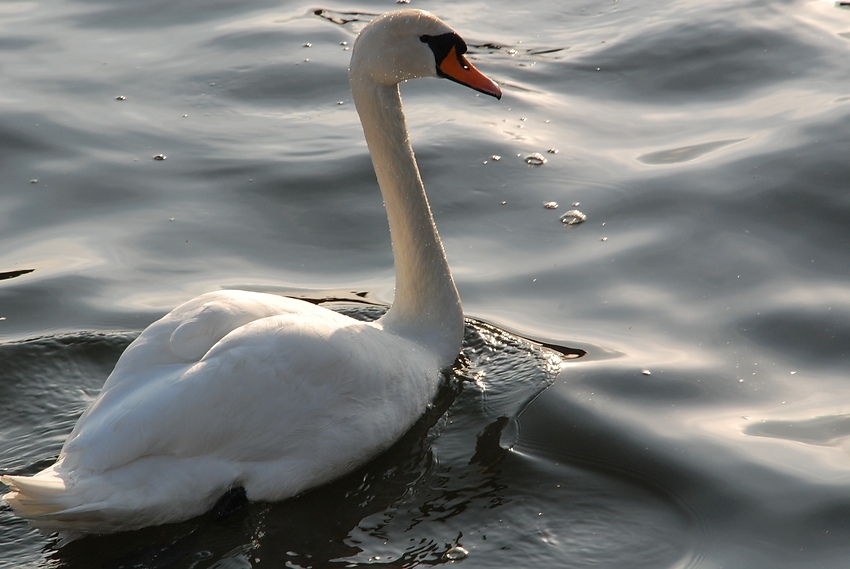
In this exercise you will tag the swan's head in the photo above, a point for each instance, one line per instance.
(408, 44)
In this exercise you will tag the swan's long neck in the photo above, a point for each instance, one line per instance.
(426, 305)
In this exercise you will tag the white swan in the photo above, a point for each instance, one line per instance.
(268, 393)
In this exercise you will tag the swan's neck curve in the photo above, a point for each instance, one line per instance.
(426, 307)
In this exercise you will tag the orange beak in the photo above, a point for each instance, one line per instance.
(458, 68)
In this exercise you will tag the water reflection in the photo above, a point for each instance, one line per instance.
(685, 153)
(822, 431)
(724, 270)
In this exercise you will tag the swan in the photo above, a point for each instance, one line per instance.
(274, 395)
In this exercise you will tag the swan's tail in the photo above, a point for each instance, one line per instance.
(134, 496)
(45, 502)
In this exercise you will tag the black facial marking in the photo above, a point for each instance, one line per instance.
(442, 44)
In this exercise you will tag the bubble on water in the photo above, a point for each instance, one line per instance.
(308, 44)
(495, 158)
(160, 157)
(550, 205)
(552, 150)
(535, 159)
(573, 217)
(646, 372)
(121, 98)
(34, 181)
(456, 553)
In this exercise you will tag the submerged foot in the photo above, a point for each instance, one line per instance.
(232, 500)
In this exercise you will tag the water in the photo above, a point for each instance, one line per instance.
(707, 145)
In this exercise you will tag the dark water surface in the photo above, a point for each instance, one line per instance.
(708, 423)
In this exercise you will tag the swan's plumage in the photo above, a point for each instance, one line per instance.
(265, 392)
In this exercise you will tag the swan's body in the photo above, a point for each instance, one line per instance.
(268, 393)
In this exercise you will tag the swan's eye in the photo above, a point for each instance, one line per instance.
(442, 45)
